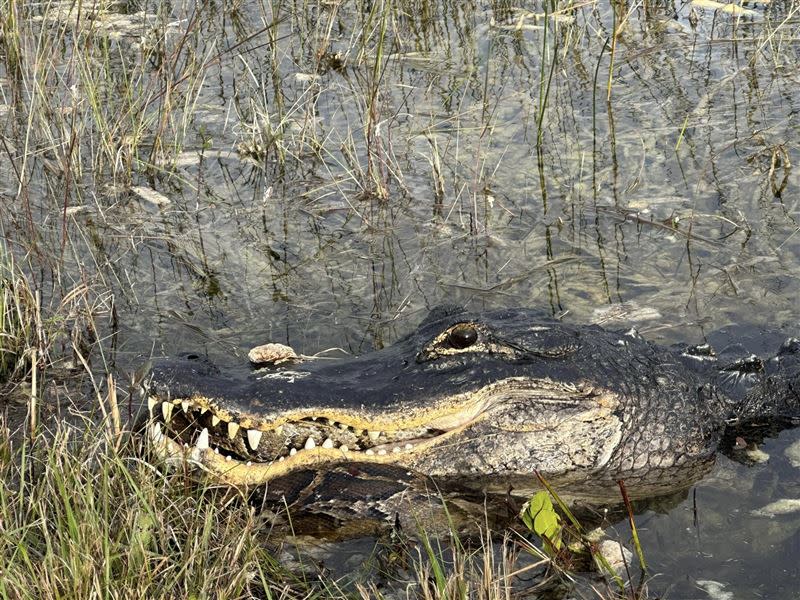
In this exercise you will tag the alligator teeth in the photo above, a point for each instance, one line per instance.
(328, 443)
(310, 444)
(343, 426)
(203, 410)
(151, 404)
(409, 446)
(253, 438)
(229, 457)
(202, 440)
(166, 410)
(293, 451)
(185, 405)
(215, 420)
(381, 452)
(279, 429)
(344, 448)
(374, 435)
(397, 449)
(155, 432)
(233, 429)
(281, 459)
(369, 452)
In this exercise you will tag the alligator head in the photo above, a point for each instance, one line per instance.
(483, 399)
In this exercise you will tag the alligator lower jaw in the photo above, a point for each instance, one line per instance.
(233, 471)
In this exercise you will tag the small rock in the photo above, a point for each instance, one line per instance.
(793, 454)
(757, 455)
(784, 506)
(617, 557)
(271, 354)
(714, 589)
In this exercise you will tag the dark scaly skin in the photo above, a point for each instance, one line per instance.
(518, 393)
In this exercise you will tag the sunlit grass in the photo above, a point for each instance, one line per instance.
(19, 316)
(83, 520)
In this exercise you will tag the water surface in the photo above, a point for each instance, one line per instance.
(322, 174)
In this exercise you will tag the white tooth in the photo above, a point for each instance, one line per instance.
(281, 459)
(293, 451)
(344, 448)
(151, 404)
(314, 418)
(253, 438)
(185, 405)
(202, 440)
(409, 446)
(396, 449)
(215, 420)
(203, 410)
(228, 458)
(216, 450)
(328, 443)
(374, 435)
(233, 429)
(166, 410)
(279, 429)
(310, 444)
(381, 451)
(155, 432)
(369, 452)
(249, 464)
(343, 426)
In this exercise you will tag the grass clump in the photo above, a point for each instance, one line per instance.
(19, 316)
(82, 520)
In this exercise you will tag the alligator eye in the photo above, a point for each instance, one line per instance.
(462, 336)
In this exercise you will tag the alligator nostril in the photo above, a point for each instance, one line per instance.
(192, 357)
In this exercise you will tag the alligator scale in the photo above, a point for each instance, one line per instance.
(479, 401)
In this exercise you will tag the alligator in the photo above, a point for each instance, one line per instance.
(480, 401)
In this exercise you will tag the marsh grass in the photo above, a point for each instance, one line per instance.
(454, 571)
(19, 317)
(38, 339)
(84, 520)
(100, 96)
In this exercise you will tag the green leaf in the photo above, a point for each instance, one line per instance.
(541, 518)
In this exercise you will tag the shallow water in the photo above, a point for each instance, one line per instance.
(326, 184)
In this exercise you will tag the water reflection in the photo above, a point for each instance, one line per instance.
(332, 171)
